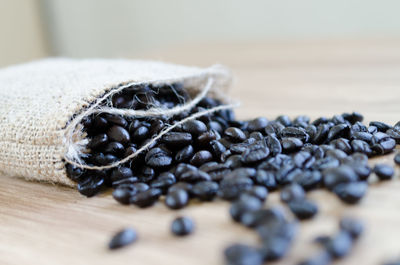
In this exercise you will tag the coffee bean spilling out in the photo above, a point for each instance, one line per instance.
(217, 156)
(123, 238)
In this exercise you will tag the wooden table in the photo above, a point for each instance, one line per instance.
(46, 224)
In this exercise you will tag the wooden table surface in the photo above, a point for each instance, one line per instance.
(47, 224)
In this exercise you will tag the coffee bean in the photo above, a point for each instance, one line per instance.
(382, 127)
(361, 147)
(384, 172)
(158, 157)
(73, 172)
(232, 187)
(201, 157)
(182, 226)
(351, 192)
(90, 186)
(140, 134)
(205, 190)
(123, 238)
(244, 204)
(257, 124)
(397, 159)
(164, 181)
(266, 179)
(322, 258)
(322, 134)
(291, 144)
(123, 194)
(255, 154)
(98, 141)
(338, 175)
(294, 132)
(181, 185)
(340, 245)
(292, 192)
(303, 209)
(308, 179)
(121, 173)
(235, 134)
(239, 254)
(177, 140)
(177, 199)
(259, 192)
(146, 198)
(184, 154)
(274, 248)
(118, 134)
(337, 131)
(194, 127)
(194, 176)
(352, 226)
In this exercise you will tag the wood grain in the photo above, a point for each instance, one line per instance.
(46, 224)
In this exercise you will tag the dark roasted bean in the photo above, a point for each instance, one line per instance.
(274, 145)
(397, 159)
(232, 187)
(240, 254)
(259, 192)
(114, 148)
(177, 199)
(205, 190)
(284, 120)
(382, 127)
(351, 192)
(292, 192)
(322, 134)
(121, 173)
(182, 226)
(266, 179)
(117, 120)
(74, 173)
(157, 157)
(177, 140)
(140, 134)
(244, 204)
(308, 179)
(194, 127)
(184, 154)
(118, 134)
(352, 226)
(146, 198)
(361, 147)
(98, 141)
(217, 148)
(384, 172)
(123, 194)
(257, 124)
(164, 181)
(90, 185)
(274, 248)
(194, 176)
(235, 134)
(337, 131)
(303, 209)
(123, 238)
(201, 157)
(338, 175)
(291, 144)
(255, 154)
(295, 132)
(340, 245)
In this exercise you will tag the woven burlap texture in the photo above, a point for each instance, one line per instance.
(40, 98)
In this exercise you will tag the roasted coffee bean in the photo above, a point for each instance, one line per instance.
(338, 175)
(116, 119)
(218, 171)
(195, 127)
(361, 147)
(274, 248)
(146, 198)
(266, 179)
(352, 226)
(232, 187)
(257, 124)
(114, 148)
(276, 228)
(177, 140)
(303, 209)
(397, 159)
(260, 217)
(321, 258)
(73, 172)
(259, 192)
(205, 138)
(294, 132)
(384, 172)
(140, 134)
(182, 226)
(163, 181)
(194, 176)
(205, 190)
(123, 194)
(351, 192)
(123, 238)
(100, 123)
(291, 144)
(240, 254)
(394, 134)
(98, 141)
(121, 173)
(340, 245)
(255, 154)
(292, 192)
(256, 136)
(342, 144)
(118, 134)
(326, 163)
(244, 204)
(337, 131)
(353, 117)
(140, 186)
(201, 157)
(217, 149)
(274, 145)
(147, 174)
(322, 134)
(308, 179)
(158, 157)
(184, 154)
(235, 134)
(382, 127)
(90, 186)
(363, 136)
(181, 185)
(284, 120)
(177, 199)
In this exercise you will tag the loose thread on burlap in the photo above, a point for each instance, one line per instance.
(74, 149)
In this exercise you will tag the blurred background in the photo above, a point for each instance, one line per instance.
(134, 28)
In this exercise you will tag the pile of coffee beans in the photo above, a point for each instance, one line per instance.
(217, 156)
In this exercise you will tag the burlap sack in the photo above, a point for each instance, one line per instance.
(41, 99)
